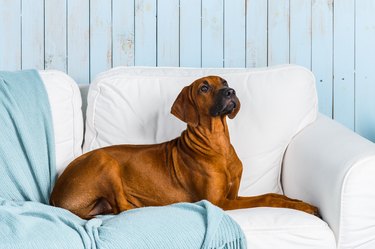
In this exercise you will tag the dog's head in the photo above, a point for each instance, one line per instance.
(206, 97)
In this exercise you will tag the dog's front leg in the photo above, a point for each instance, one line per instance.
(268, 200)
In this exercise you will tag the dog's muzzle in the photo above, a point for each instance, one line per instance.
(225, 102)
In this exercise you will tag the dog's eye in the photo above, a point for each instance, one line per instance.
(204, 88)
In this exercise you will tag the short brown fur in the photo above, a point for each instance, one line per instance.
(200, 164)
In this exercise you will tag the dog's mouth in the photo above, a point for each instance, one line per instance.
(224, 109)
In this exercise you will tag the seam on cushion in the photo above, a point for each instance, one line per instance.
(356, 163)
(93, 117)
(74, 119)
(314, 110)
(287, 230)
(113, 73)
(70, 82)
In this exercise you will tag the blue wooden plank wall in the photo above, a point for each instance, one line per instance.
(333, 38)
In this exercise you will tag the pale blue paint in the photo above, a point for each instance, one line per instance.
(190, 33)
(212, 33)
(234, 33)
(79, 40)
(86, 37)
(10, 35)
(256, 33)
(278, 32)
(55, 53)
(123, 32)
(100, 36)
(32, 34)
(168, 33)
(365, 69)
(344, 87)
(322, 52)
(145, 33)
(300, 32)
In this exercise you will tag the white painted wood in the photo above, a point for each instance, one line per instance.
(145, 33)
(33, 34)
(55, 56)
(79, 40)
(322, 52)
(344, 68)
(123, 32)
(168, 33)
(100, 36)
(10, 35)
(300, 32)
(190, 33)
(86, 37)
(278, 32)
(364, 66)
(212, 33)
(234, 33)
(256, 33)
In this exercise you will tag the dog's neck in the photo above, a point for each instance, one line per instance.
(211, 135)
(214, 126)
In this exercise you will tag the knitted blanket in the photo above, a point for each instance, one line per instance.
(27, 174)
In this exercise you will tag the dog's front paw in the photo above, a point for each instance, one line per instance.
(310, 209)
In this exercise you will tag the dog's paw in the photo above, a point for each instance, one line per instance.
(310, 209)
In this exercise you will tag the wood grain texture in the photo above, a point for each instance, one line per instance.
(344, 68)
(278, 32)
(123, 32)
(32, 34)
(300, 32)
(55, 56)
(10, 39)
(145, 33)
(256, 33)
(168, 33)
(334, 38)
(322, 52)
(212, 33)
(100, 36)
(79, 40)
(190, 33)
(364, 67)
(234, 33)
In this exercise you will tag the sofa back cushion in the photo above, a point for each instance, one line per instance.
(65, 101)
(132, 106)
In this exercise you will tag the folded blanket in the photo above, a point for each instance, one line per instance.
(27, 173)
(34, 225)
(27, 157)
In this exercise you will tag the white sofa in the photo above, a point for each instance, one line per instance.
(285, 145)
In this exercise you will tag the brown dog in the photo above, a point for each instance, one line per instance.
(200, 164)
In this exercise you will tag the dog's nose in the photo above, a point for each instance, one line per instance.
(228, 92)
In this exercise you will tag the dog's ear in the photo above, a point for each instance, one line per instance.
(235, 110)
(184, 108)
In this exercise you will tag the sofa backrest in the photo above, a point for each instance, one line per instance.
(132, 106)
(65, 101)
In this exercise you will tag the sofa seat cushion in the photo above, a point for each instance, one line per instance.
(283, 228)
(65, 102)
(132, 106)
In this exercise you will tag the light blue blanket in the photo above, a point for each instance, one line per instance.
(27, 174)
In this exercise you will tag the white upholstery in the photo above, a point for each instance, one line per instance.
(65, 101)
(334, 168)
(267, 228)
(325, 164)
(132, 106)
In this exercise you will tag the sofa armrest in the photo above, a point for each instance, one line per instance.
(333, 168)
